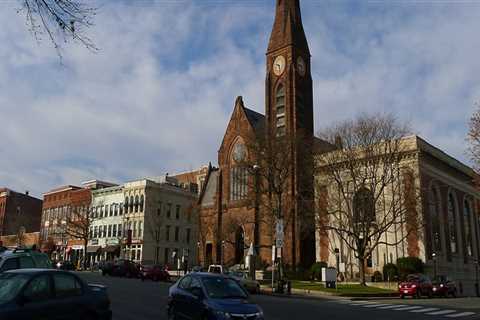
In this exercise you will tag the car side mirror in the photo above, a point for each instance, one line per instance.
(197, 292)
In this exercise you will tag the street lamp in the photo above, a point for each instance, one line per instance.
(434, 257)
(337, 259)
(256, 241)
(477, 291)
(223, 252)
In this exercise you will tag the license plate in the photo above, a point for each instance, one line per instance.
(406, 291)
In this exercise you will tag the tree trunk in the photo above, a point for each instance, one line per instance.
(361, 269)
(85, 242)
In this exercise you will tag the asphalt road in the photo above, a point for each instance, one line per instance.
(133, 299)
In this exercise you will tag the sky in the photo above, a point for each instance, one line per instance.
(157, 96)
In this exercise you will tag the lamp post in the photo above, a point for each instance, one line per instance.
(477, 291)
(434, 257)
(223, 252)
(256, 241)
(198, 252)
(337, 259)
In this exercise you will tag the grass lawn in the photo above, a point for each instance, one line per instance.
(343, 289)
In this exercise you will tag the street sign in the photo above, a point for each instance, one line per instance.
(273, 253)
(251, 250)
(341, 267)
(279, 229)
(279, 243)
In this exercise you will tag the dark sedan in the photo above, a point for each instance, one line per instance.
(442, 286)
(154, 272)
(30, 294)
(207, 296)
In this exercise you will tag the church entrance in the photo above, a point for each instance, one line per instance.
(208, 254)
(239, 245)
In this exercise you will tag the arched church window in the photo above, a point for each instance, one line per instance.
(280, 110)
(452, 224)
(435, 221)
(468, 227)
(363, 207)
(238, 183)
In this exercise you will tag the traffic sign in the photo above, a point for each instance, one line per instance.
(279, 243)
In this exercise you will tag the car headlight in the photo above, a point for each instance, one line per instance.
(222, 315)
(414, 285)
(441, 285)
(259, 314)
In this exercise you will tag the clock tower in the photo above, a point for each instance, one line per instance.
(289, 115)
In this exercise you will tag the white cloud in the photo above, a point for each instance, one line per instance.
(160, 91)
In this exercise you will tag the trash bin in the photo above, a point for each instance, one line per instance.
(330, 284)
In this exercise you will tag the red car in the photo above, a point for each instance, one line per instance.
(416, 285)
(154, 272)
(444, 287)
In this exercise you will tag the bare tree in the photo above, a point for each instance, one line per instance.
(78, 224)
(367, 187)
(473, 138)
(61, 20)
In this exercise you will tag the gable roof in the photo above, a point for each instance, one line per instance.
(257, 120)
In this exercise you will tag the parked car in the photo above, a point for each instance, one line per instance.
(65, 265)
(210, 296)
(416, 285)
(30, 294)
(242, 277)
(215, 268)
(154, 272)
(105, 267)
(443, 286)
(125, 268)
(197, 269)
(23, 259)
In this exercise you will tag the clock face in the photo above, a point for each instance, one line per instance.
(239, 152)
(301, 66)
(279, 65)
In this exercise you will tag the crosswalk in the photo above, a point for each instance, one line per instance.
(431, 311)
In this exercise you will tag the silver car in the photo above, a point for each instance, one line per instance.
(241, 277)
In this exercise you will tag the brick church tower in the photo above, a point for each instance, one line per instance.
(226, 198)
(289, 112)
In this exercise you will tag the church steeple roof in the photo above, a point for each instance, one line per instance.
(288, 27)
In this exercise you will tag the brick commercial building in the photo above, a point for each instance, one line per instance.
(58, 207)
(19, 210)
(20, 214)
(232, 217)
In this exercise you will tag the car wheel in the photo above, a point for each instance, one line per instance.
(418, 294)
(430, 294)
(257, 289)
(454, 293)
(402, 296)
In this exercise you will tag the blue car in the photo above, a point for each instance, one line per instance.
(30, 294)
(207, 296)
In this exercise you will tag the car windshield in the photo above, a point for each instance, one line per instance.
(412, 278)
(10, 285)
(223, 288)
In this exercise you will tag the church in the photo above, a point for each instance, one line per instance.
(232, 206)
(226, 195)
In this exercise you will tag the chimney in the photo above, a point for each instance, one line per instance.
(27, 192)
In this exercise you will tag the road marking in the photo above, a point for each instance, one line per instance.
(458, 315)
(376, 305)
(425, 310)
(407, 308)
(437, 313)
(393, 306)
(361, 304)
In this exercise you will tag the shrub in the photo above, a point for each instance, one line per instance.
(316, 270)
(409, 265)
(390, 271)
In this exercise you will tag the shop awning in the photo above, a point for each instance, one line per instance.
(93, 249)
(111, 248)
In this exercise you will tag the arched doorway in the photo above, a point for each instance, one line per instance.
(239, 245)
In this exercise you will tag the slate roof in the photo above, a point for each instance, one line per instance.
(257, 120)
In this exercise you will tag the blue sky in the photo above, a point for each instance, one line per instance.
(157, 96)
